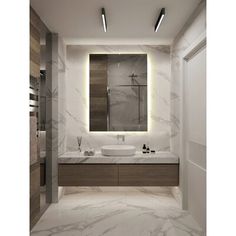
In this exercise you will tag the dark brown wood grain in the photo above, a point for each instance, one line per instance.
(35, 29)
(34, 191)
(34, 32)
(98, 92)
(87, 175)
(118, 175)
(35, 19)
(34, 56)
(149, 175)
(33, 140)
(35, 25)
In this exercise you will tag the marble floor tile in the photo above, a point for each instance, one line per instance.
(116, 211)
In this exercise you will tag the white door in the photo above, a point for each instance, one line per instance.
(195, 133)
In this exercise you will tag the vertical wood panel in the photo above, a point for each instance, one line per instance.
(34, 154)
(35, 23)
(33, 140)
(98, 92)
(34, 192)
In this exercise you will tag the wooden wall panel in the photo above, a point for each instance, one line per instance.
(33, 140)
(98, 92)
(34, 191)
(35, 24)
(34, 69)
(35, 19)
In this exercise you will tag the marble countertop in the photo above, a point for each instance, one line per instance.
(139, 157)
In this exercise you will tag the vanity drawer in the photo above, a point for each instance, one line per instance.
(149, 175)
(87, 175)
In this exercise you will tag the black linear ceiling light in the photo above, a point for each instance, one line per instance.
(104, 20)
(160, 18)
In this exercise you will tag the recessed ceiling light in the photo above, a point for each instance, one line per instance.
(104, 20)
(159, 20)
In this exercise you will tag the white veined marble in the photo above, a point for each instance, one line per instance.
(77, 98)
(139, 157)
(116, 211)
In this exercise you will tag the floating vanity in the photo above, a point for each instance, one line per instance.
(159, 169)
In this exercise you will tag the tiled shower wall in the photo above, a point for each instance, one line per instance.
(77, 98)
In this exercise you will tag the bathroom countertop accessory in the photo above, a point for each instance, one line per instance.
(79, 140)
(144, 149)
(89, 152)
(118, 150)
(120, 137)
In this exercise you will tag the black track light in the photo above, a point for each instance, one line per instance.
(104, 20)
(159, 20)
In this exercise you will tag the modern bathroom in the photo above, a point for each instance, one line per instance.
(117, 112)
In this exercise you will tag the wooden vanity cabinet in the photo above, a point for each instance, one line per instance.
(118, 174)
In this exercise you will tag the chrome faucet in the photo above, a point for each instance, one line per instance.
(79, 140)
(119, 136)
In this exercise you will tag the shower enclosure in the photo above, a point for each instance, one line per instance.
(124, 79)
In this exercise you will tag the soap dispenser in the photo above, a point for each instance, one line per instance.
(144, 148)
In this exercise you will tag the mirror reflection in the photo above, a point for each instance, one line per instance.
(118, 92)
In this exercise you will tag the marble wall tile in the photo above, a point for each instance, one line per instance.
(51, 117)
(55, 112)
(77, 98)
(61, 97)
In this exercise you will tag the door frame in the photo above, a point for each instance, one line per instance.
(193, 49)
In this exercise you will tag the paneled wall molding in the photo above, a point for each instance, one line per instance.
(191, 139)
(196, 165)
(199, 43)
(195, 46)
(191, 19)
(195, 28)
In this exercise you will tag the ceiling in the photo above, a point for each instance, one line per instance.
(128, 21)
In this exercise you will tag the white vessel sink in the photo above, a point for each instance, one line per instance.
(118, 150)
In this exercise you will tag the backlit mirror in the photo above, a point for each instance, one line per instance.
(118, 92)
